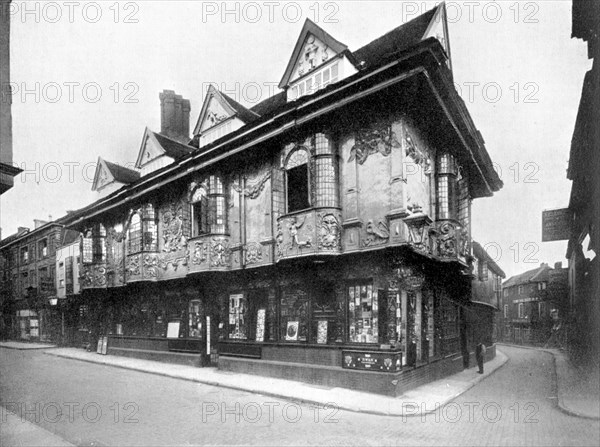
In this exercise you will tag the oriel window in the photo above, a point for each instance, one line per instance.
(142, 232)
(447, 194)
(297, 181)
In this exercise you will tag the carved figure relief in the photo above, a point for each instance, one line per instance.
(133, 266)
(173, 238)
(376, 234)
(446, 240)
(150, 266)
(220, 252)
(253, 253)
(419, 157)
(293, 228)
(200, 252)
(329, 237)
(279, 240)
(378, 138)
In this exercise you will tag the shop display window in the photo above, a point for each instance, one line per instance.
(195, 316)
(294, 315)
(238, 317)
(363, 314)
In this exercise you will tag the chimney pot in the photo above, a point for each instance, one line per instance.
(558, 265)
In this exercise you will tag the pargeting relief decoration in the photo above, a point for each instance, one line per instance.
(253, 190)
(464, 243)
(446, 239)
(418, 156)
(220, 252)
(93, 276)
(313, 54)
(279, 241)
(253, 253)
(176, 260)
(376, 234)
(329, 233)
(172, 219)
(133, 266)
(293, 228)
(378, 138)
(150, 266)
(214, 118)
(200, 252)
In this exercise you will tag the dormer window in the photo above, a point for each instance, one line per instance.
(308, 85)
(297, 181)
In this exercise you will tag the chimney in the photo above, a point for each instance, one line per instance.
(558, 265)
(22, 229)
(38, 223)
(174, 116)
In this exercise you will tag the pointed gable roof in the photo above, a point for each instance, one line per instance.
(155, 145)
(309, 27)
(230, 106)
(399, 39)
(107, 173)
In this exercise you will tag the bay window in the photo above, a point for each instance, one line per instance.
(447, 187)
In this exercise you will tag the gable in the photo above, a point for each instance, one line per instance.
(438, 28)
(215, 114)
(102, 176)
(314, 52)
(313, 48)
(149, 150)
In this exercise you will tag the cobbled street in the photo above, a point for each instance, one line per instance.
(90, 404)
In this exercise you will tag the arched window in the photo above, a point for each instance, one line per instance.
(297, 181)
(142, 231)
(134, 234)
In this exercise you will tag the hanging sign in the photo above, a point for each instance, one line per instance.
(556, 224)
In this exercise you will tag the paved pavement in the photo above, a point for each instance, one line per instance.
(438, 392)
(104, 405)
(578, 390)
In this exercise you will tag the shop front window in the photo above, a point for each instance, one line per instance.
(363, 314)
(294, 315)
(195, 315)
(238, 317)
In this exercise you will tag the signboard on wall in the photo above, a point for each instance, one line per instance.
(556, 224)
(372, 361)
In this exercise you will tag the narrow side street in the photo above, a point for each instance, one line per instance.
(514, 406)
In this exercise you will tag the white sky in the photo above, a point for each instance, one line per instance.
(526, 53)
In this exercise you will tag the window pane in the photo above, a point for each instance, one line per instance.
(363, 314)
(297, 188)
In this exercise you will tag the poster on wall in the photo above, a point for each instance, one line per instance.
(291, 334)
(173, 329)
(322, 331)
(260, 325)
